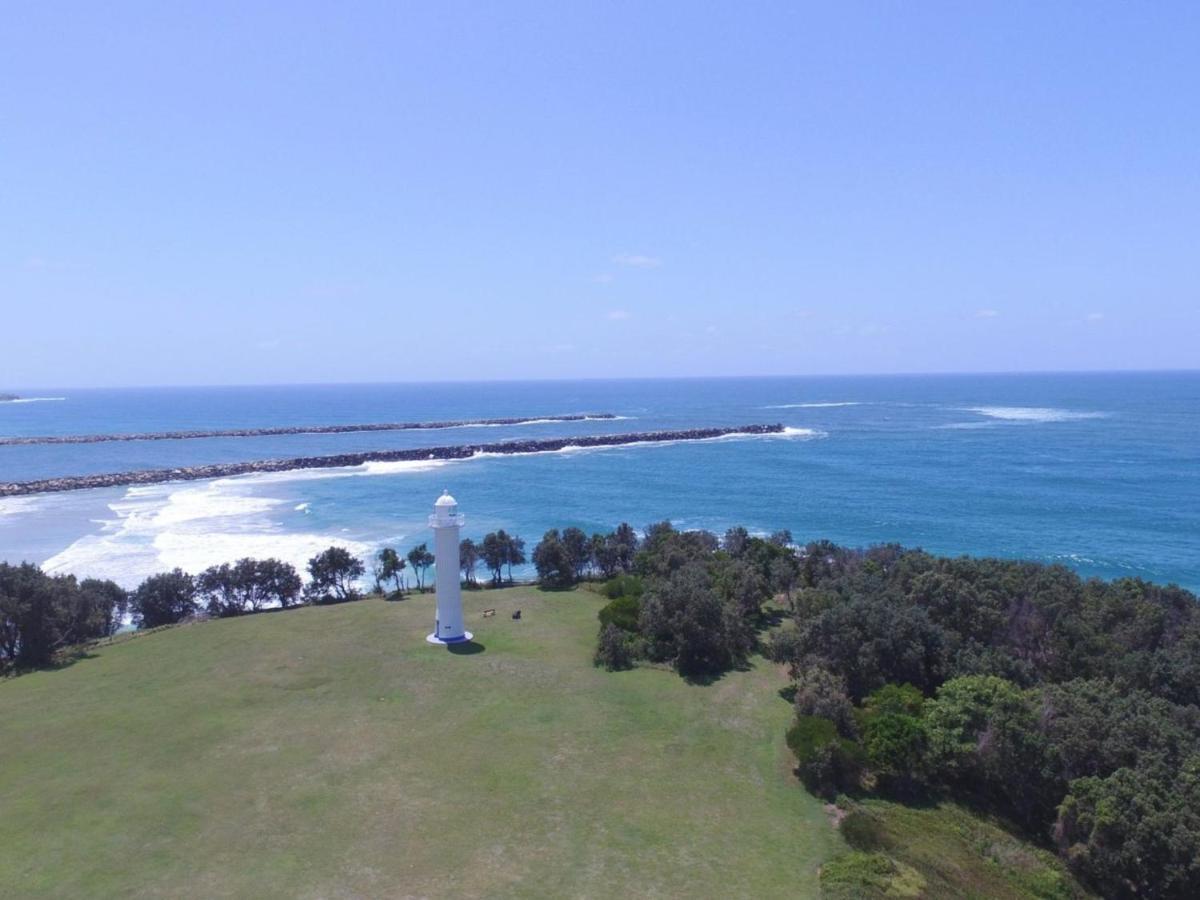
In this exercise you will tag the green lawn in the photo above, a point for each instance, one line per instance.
(329, 752)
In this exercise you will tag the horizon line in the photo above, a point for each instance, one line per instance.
(596, 378)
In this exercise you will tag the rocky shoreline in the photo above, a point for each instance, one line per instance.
(293, 429)
(461, 451)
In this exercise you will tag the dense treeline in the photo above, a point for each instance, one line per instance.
(43, 615)
(684, 598)
(1069, 706)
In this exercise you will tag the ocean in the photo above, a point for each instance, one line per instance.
(1100, 472)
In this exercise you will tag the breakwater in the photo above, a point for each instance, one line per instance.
(291, 429)
(340, 460)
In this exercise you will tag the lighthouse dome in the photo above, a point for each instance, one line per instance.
(446, 500)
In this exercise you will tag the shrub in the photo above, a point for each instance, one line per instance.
(613, 650)
(825, 761)
(622, 612)
(622, 586)
(863, 831)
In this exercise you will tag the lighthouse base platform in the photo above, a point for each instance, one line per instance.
(434, 639)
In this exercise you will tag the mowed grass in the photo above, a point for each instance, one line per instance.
(329, 752)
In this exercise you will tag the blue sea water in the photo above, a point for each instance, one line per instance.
(1100, 472)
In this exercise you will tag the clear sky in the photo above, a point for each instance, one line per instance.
(248, 192)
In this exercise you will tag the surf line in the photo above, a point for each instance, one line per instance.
(292, 429)
(343, 460)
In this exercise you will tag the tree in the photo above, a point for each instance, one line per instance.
(613, 650)
(389, 566)
(552, 561)
(164, 599)
(894, 734)
(736, 541)
(334, 573)
(468, 559)
(102, 607)
(494, 551)
(218, 590)
(276, 582)
(686, 623)
(1135, 833)
(821, 693)
(624, 545)
(578, 550)
(514, 552)
(420, 559)
(248, 586)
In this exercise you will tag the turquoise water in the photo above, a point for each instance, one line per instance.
(1097, 471)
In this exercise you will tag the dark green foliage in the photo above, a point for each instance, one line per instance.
(819, 692)
(623, 612)
(164, 599)
(825, 762)
(389, 566)
(500, 549)
(578, 550)
(623, 586)
(247, 586)
(42, 614)
(686, 623)
(419, 559)
(468, 559)
(334, 573)
(894, 734)
(863, 831)
(554, 564)
(1063, 704)
(1135, 834)
(613, 650)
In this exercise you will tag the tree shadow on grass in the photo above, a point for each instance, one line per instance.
(466, 648)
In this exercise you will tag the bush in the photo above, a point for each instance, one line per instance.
(622, 612)
(825, 761)
(622, 586)
(863, 831)
(613, 650)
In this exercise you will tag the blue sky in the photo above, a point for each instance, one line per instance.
(261, 192)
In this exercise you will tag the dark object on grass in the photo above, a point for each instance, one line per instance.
(517, 614)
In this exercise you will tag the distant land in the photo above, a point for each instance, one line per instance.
(8, 398)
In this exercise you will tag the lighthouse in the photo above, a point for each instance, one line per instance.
(445, 522)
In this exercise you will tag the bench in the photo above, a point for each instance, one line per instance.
(488, 613)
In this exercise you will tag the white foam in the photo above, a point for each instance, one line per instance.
(32, 400)
(520, 422)
(161, 527)
(813, 405)
(12, 506)
(1033, 413)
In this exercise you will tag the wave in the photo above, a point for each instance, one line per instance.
(558, 421)
(1033, 413)
(162, 527)
(828, 405)
(33, 400)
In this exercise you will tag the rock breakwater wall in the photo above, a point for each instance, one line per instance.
(341, 460)
(290, 429)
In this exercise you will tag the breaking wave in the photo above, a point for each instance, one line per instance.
(1033, 413)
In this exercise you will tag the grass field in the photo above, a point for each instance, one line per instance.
(329, 752)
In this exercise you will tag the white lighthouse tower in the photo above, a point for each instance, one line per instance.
(445, 523)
